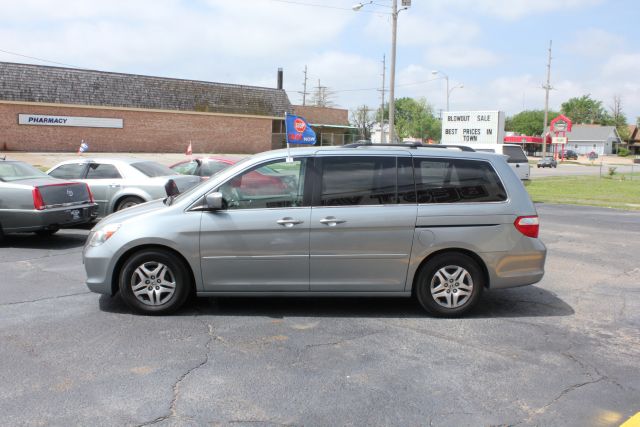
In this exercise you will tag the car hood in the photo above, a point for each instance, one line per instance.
(136, 211)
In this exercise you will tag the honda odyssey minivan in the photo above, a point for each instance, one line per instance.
(441, 225)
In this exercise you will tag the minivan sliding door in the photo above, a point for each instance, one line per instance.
(362, 223)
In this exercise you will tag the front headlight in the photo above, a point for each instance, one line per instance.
(103, 234)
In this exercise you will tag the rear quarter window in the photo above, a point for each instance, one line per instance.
(153, 169)
(69, 171)
(457, 181)
(516, 154)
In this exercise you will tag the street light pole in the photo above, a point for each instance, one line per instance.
(392, 73)
(447, 79)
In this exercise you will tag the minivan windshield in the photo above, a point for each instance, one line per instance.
(231, 170)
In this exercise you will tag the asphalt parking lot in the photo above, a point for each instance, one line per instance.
(562, 352)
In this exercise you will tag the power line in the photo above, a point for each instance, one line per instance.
(324, 6)
(40, 59)
(377, 88)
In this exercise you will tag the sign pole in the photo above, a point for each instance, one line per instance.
(286, 135)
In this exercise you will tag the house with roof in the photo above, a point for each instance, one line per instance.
(585, 138)
(634, 139)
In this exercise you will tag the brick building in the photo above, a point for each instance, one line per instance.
(46, 108)
(330, 124)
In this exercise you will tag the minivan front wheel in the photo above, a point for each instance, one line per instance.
(154, 281)
(449, 284)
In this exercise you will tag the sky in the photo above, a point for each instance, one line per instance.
(496, 49)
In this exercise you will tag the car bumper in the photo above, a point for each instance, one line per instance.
(51, 219)
(524, 265)
(98, 264)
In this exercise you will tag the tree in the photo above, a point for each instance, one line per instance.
(363, 118)
(530, 122)
(322, 96)
(415, 118)
(619, 120)
(585, 110)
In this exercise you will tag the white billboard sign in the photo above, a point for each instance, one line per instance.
(87, 122)
(482, 127)
(559, 140)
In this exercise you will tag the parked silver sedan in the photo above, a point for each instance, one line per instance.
(31, 201)
(119, 183)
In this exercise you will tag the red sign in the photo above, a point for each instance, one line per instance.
(299, 125)
(561, 124)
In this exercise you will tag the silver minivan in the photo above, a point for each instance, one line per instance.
(442, 225)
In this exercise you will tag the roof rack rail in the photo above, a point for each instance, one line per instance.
(408, 145)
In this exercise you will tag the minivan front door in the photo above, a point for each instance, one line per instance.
(260, 242)
(361, 226)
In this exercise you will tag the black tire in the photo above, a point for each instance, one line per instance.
(127, 202)
(46, 233)
(449, 262)
(154, 297)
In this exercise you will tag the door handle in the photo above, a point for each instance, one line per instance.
(115, 185)
(289, 222)
(331, 221)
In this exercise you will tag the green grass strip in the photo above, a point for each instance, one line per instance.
(618, 192)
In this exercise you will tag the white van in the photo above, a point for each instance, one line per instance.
(515, 156)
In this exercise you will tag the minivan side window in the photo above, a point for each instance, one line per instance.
(456, 181)
(282, 187)
(69, 171)
(358, 180)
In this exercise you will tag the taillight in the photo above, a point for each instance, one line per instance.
(38, 203)
(528, 225)
(90, 193)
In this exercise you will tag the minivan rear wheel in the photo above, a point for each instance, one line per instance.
(154, 281)
(449, 284)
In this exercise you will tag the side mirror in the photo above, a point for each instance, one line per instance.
(171, 188)
(214, 201)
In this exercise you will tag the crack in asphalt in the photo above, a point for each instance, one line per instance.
(566, 391)
(342, 341)
(260, 422)
(44, 299)
(41, 257)
(176, 385)
(587, 367)
(450, 340)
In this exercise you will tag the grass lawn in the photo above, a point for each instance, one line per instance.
(588, 190)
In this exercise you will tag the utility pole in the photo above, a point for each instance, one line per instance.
(392, 75)
(547, 88)
(382, 104)
(320, 95)
(304, 85)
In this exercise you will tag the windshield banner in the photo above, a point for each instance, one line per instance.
(299, 131)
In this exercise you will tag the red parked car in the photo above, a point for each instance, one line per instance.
(262, 178)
